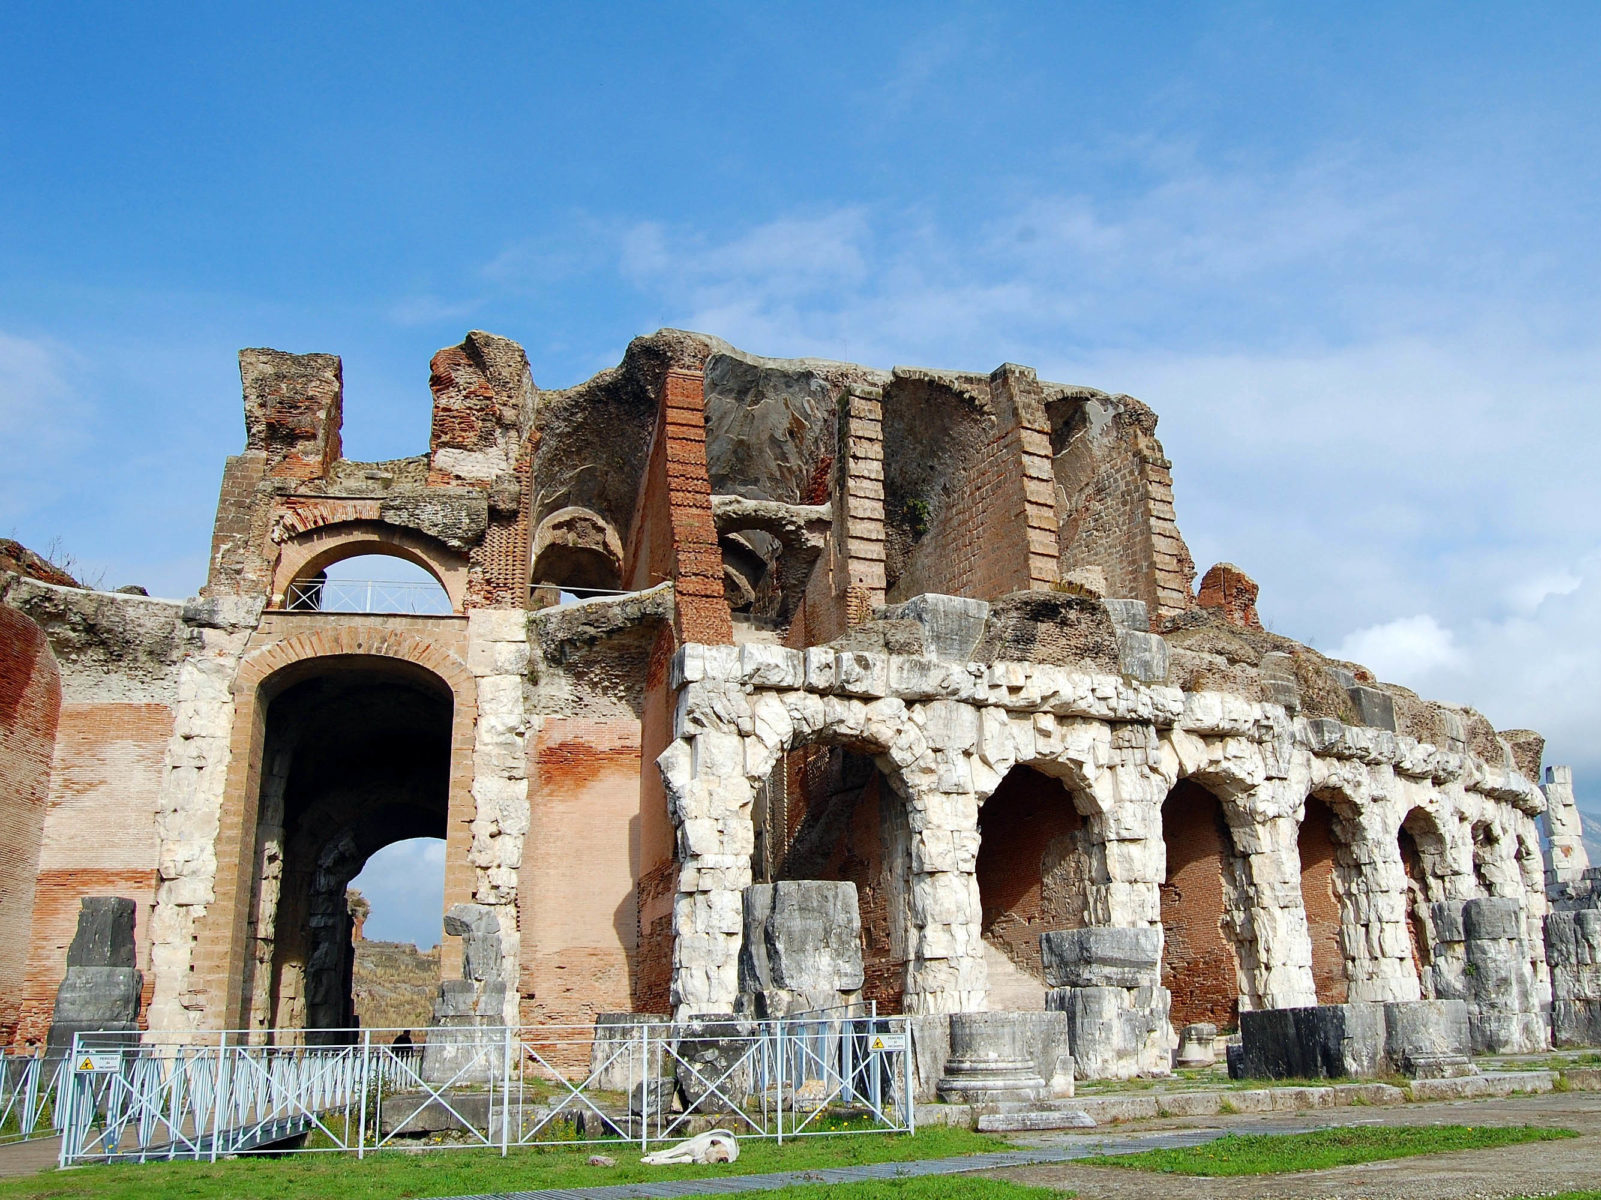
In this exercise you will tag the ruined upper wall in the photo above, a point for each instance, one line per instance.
(859, 485)
(290, 504)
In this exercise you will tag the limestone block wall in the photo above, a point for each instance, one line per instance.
(945, 734)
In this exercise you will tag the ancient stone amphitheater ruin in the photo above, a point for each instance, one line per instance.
(717, 621)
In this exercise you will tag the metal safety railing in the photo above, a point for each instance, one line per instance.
(28, 1089)
(206, 1096)
(367, 596)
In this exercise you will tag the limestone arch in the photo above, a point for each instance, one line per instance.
(222, 966)
(308, 553)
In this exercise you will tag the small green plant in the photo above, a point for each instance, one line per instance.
(917, 516)
(1273, 1154)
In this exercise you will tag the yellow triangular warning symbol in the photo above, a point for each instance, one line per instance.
(88, 1064)
(878, 1043)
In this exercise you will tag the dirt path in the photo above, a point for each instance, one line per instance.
(1534, 1169)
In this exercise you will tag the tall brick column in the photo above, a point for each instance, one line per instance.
(859, 500)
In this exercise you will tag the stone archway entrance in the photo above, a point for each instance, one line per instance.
(356, 757)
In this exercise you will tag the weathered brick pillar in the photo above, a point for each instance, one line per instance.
(697, 560)
(1026, 506)
(859, 503)
(1173, 567)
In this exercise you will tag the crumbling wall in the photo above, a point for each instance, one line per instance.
(1114, 498)
(967, 484)
(118, 656)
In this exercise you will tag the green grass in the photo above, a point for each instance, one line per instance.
(1273, 1154)
(397, 1174)
(937, 1187)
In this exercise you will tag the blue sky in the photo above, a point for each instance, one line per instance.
(1348, 252)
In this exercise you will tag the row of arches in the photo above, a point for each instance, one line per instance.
(829, 812)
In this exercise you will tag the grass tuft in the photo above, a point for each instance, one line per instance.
(399, 1174)
(924, 1187)
(1274, 1154)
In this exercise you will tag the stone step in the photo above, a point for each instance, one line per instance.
(1035, 1119)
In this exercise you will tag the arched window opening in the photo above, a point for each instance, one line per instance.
(1325, 871)
(356, 758)
(370, 583)
(1200, 959)
(576, 553)
(1034, 877)
(828, 812)
(395, 905)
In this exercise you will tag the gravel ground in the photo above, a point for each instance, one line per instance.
(1534, 1169)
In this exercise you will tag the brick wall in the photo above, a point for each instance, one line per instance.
(30, 705)
(1199, 963)
(656, 843)
(99, 833)
(1115, 503)
(1317, 848)
(239, 537)
(848, 581)
(576, 901)
(1001, 535)
(1033, 873)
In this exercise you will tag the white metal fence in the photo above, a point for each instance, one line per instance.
(28, 1088)
(201, 1097)
(367, 596)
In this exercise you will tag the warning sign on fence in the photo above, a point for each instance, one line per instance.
(887, 1041)
(99, 1062)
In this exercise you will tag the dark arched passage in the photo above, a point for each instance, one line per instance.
(356, 756)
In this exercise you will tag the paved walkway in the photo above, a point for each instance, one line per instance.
(29, 1158)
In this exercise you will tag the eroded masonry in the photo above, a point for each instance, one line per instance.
(717, 622)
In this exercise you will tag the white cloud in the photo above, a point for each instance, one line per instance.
(1404, 648)
(1373, 405)
(41, 420)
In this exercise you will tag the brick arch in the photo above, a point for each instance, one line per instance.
(350, 641)
(316, 549)
(222, 958)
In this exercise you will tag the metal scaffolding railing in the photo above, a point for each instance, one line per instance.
(205, 1096)
(367, 596)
